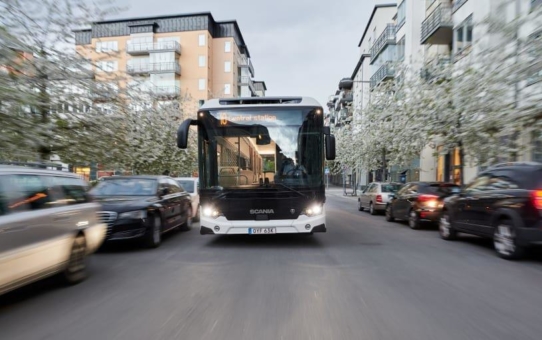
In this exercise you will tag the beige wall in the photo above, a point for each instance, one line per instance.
(220, 77)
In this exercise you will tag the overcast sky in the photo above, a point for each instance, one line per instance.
(298, 47)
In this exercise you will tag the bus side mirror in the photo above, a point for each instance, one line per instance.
(330, 147)
(182, 133)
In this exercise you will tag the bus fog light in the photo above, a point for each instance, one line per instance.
(217, 228)
(308, 226)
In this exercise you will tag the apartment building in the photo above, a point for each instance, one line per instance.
(191, 57)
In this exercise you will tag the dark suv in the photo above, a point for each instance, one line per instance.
(503, 203)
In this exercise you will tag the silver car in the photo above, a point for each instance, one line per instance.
(191, 185)
(48, 225)
(376, 196)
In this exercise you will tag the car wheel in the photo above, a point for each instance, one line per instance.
(389, 214)
(188, 224)
(505, 242)
(446, 231)
(360, 208)
(413, 220)
(372, 209)
(76, 270)
(154, 234)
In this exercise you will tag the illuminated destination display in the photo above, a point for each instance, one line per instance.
(224, 117)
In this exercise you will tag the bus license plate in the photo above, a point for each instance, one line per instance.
(253, 231)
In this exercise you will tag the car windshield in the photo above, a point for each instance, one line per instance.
(392, 188)
(125, 187)
(187, 185)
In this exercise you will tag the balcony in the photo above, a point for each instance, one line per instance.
(166, 92)
(165, 67)
(104, 93)
(385, 72)
(245, 80)
(458, 4)
(386, 38)
(437, 29)
(243, 61)
(137, 69)
(146, 48)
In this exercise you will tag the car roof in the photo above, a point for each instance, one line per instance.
(13, 169)
(187, 178)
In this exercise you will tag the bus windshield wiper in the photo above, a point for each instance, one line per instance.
(292, 189)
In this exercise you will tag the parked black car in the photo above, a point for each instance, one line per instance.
(142, 207)
(419, 202)
(503, 203)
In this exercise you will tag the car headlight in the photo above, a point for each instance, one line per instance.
(211, 212)
(133, 215)
(314, 210)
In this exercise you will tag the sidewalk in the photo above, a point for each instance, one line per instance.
(339, 192)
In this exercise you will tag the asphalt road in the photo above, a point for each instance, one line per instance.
(364, 279)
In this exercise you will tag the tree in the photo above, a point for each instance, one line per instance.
(42, 64)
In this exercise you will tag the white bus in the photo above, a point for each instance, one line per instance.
(261, 165)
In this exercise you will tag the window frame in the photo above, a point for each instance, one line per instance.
(202, 84)
(202, 40)
(227, 66)
(202, 61)
(227, 47)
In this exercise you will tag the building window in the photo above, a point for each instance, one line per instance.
(202, 39)
(463, 35)
(227, 46)
(108, 65)
(107, 46)
(227, 88)
(227, 66)
(401, 14)
(202, 60)
(202, 84)
(401, 49)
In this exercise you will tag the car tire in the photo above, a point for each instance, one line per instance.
(389, 213)
(445, 228)
(360, 208)
(413, 220)
(76, 269)
(505, 241)
(187, 225)
(153, 238)
(372, 210)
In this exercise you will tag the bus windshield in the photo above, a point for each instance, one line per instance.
(253, 147)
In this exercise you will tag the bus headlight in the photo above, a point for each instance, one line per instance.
(211, 212)
(314, 210)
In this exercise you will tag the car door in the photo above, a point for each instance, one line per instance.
(468, 204)
(32, 241)
(178, 203)
(398, 203)
(185, 202)
(406, 200)
(165, 200)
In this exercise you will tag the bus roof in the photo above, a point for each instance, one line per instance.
(252, 102)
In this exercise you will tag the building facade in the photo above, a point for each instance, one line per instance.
(188, 57)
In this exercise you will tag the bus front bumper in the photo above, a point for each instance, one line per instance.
(301, 225)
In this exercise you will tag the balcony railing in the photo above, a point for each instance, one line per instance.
(246, 62)
(386, 38)
(166, 91)
(165, 67)
(138, 69)
(458, 4)
(437, 29)
(245, 80)
(145, 48)
(386, 71)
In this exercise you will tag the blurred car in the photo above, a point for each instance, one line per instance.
(191, 185)
(419, 202)
(503, 203)
(142, 207)
(376, 196)
(48, 225)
